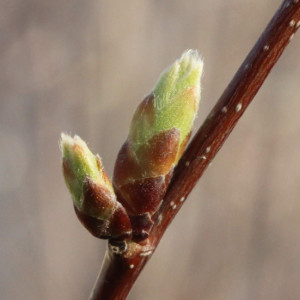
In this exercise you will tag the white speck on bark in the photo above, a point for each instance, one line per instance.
(238, 107)
(224, 110)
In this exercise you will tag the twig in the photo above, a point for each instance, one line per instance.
(119, 272)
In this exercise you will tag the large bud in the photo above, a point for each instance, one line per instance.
(92, 192)
(159, 132)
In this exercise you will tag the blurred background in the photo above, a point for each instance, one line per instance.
(82, 67)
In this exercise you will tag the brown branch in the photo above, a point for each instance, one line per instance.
(119, 272)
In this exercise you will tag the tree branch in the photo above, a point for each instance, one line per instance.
(119, 272)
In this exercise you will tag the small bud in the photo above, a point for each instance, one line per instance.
(92, 192)
(159, 132)
(78, 163)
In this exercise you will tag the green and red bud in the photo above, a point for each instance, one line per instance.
(159, 132)
(92, 192)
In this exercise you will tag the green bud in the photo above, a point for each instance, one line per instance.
(175, 103)
(159, 132)
(78, 164)
(93, 196)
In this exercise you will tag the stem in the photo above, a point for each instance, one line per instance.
(119, 272)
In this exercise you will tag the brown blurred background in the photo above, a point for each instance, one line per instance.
(82, 67)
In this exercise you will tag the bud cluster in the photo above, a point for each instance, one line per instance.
(159, 132)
